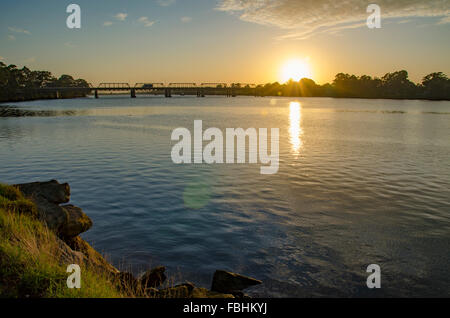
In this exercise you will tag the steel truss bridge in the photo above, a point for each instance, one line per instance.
(199, 90)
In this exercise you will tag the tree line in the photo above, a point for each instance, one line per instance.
(434, 86)
(20, 84)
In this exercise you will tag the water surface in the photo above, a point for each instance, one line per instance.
(360, 182)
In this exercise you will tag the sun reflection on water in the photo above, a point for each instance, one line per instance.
(295, 130)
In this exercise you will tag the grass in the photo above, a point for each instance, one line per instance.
(30, 257)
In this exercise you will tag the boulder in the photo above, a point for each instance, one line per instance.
(227, 282)
(154, 277)
(66, 221)
(52, 214)
(77, 221)
(66, 255)
(51, 191)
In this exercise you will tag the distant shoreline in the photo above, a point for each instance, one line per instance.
(74, 95)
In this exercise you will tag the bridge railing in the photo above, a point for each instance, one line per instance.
(183, 85)
(114, 86)
(148, 85)
(214, 85)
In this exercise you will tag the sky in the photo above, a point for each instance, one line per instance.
(246, 41)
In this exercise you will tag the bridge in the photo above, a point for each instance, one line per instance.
(167, 90)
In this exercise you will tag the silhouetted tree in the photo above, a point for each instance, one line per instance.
(16, 83)
(397, 85)
(436, 86)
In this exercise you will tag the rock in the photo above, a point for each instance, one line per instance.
(77, 221)
(51, 191)
(52, 214)
(153, 278)
(227, 282)
(92, 258)
(66, 221)
(240, 294)
(67, 255)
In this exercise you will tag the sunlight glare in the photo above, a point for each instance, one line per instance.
(295, 70)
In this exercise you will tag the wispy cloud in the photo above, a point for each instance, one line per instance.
(11, 37)
(166, 3)
(19, 30)
(186, 19)
(121, 16)
(107, 23)
(300, 18)
(146, 22)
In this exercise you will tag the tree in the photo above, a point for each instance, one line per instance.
(397, 85)
(436, 86)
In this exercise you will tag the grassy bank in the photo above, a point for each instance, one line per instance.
(30, 260)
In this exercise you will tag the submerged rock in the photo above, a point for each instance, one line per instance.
(227, 282)
(154, 277)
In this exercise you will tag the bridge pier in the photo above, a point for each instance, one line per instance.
(133, 93)
(200, 93)
(167, 92)
(96, 93)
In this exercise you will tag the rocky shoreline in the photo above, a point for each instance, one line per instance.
(68, 222)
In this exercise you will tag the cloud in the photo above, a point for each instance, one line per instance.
(11, 37)
(107, 23)
(2, 58)
(166, 3)
(146, 22)
(186, 19)
(18, 30)
(307, 17)
(121, 16)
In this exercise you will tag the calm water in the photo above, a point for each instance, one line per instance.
(360, 182)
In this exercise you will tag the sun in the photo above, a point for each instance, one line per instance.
(295, 69)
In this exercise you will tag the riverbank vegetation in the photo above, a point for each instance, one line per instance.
(396, 85)
(30, 256)
(24, 84)
(39, 239)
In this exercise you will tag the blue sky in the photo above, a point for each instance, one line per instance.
(244, 41)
